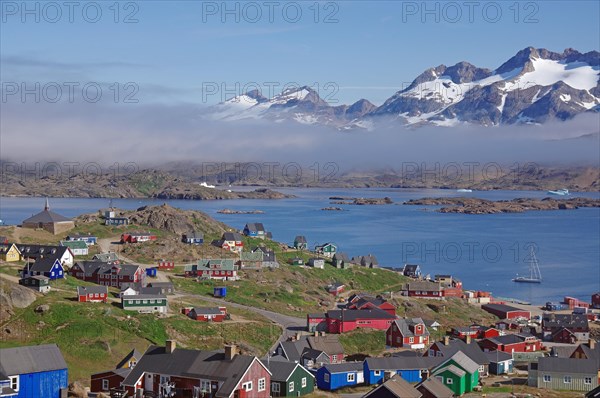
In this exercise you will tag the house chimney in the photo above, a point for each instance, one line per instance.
(316, 333)
(170, 346)
(298, 336)
(230, 351)
(592, 344)
(468, 339)
(446, 340)
(323, 333)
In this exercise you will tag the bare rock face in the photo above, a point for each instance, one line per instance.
(14, 296)
(76, 390)
(41, 309)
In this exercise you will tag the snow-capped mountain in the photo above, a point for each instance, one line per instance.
(534, 86)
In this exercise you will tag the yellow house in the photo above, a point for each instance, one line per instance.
(9, 252)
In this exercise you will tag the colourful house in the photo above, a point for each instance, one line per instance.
(145, 303)
(459, 373)
(300, 242)
(289, 379)
(407, 332)
(46, 266)
(206, 314)
(78, 247)
(342, 321)
(9, 252)
(336, 376)
(33, 371)
(193, 238)
(327, 250)
(413, 369)
(255, 230)
(92, 294)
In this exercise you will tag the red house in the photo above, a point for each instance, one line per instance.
(189, 372)
(135, 237)
(92, 294)
(206, 314)
(511, 343)
(475, 332)
(336, 288)
(407, 332)
(106, 274)
(166, 265)
(422, 289)
(504, 311)
(105, 381)
(341, 321)
(596, 300)
(365, 303)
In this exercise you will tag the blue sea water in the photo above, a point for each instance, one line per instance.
(484, 251)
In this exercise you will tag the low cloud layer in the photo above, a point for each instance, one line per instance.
(155, 134)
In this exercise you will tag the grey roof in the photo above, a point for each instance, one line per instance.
(352, 315)
(150, 290)
(255, 227)
(562, 351)
(313, 354)
(344, 367)
(341, 257)
(282, 370)
(207, 310)
(411, 268)
(465, 362)
(84, 290)
(106, 257)
(329, 344)
(44, 264)
(35, 251)
(232, 236)
(161, 285)
(498, 356)
(451, 368)
(194, 235)
(132, 354)
(436, 388)
(31, 359)
(144, 297)
(398, 387)
(472, 350)
(123, 372)
(501, 307)
(403, 362)
(557, 321)
(300, 239)
(98, 267)
(423, 286)
(404, 325)
(46, 216)
(567, 365)
(193, 364)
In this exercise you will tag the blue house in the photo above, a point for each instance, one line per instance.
(411, 368)
(500, 362)
(46, 266)
(193, 238)
(90, 240)
(336, 376)
(32, 372)
(255, 230)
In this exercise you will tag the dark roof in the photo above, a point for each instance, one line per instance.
(423, 286)
(555, 321)
(312, 354)
(501, 307)
(403, 363)
(567, 365)
(397, 386)
(300, 239)
(344, 367)
(150, 290)
(34, 251)
(595, 393)
(341, 257)
(31, 359)
(98, 267)
(411, 267)
(207, 310)
(436, 388)
(193, 364)
(132, 354)
(508, 339)
(472, 350)
(404, 325)
(282, 370)
(106, 257)
(497, 356)
(143, 297)
(329, 344)
(162, 285)
(562, 351)
(232, 236)
(46, 216)
(84, 290)
(255, 226)
(44, 264)
(353, 315)
(194, 235)
(123, 372)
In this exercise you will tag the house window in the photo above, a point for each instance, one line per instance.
(482, 369)
(377, 373)
(275, 387)
(448, 380)
(164, 379)
(105, 385)
(351, 377)
(291, 386)
(567, 379)
(14, 382)
(587, 380)
(262, 384)
(247, 386)
(547, 378)
(326, 377)
(303, 382)
(334, 358)
(398, 339)
(411, 339)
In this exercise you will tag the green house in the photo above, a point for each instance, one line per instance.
(145, 303)
(327, 250)
(459, 373)
(289, 379)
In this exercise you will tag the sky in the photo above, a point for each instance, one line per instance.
(130, 77)
(346, 50)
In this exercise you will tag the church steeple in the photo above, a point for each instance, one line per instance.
(47, 206)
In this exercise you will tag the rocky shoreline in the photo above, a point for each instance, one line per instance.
(483, 206)
(230, 211)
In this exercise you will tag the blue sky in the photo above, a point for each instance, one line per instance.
(368, 49)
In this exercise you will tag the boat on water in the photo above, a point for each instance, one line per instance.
(560, 192)
(464, 190)
(535, 276)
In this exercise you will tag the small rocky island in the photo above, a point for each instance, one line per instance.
(332, 209)
(342, 200)
(519, 205)
(230, 211)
